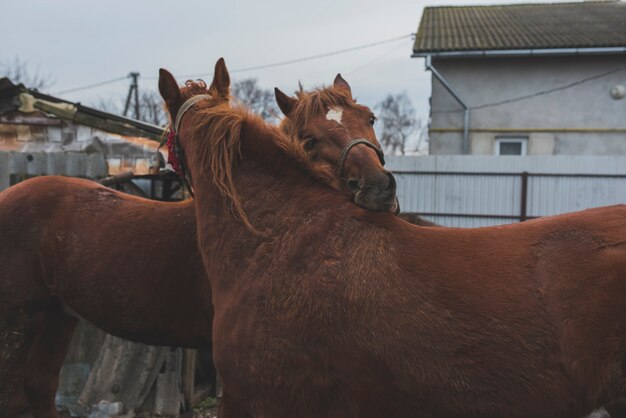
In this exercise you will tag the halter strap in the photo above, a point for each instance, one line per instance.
(350, 145)
(176, 154)
(185, 107)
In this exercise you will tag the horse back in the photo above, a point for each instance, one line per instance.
(555, 286)
(102, 251)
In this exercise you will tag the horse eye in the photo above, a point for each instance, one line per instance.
(372, 119)
(309, 144)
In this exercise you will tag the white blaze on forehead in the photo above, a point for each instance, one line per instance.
(335, 113)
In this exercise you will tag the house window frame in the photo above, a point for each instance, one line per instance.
(512, 139)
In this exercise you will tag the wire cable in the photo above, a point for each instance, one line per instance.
(539, 93)
(252, 68)
(378, 58)
(91, 86)
(299, 60)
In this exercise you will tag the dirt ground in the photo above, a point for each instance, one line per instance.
(206, 413)
(207, 408)
(210, 412)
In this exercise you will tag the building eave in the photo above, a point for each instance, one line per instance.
(543, 52)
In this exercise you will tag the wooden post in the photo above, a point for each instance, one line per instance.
(188, 377)
(524, 198)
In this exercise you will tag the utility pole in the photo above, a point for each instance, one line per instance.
(134, 87)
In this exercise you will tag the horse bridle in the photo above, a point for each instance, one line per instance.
(350, 145)
(175, 152)
(379, 153)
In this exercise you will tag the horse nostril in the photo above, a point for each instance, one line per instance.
(353, 185)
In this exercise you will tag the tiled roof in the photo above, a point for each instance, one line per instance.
(590, 24)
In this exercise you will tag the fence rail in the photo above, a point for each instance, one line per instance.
(484, 191)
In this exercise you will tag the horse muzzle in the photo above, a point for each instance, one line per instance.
(379, 197)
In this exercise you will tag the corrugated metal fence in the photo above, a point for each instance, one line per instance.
(472, 191)
(464, 191)
(75, 164)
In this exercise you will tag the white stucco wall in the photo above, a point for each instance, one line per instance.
(580, 120)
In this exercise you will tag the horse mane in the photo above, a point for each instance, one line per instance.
(217, 133)
(193, 88)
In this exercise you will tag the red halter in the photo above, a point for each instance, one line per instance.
(175, 154)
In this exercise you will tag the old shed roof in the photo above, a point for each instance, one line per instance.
(18, 97)
(590, 24)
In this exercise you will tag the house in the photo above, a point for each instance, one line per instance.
(44, 135)
(526, 79)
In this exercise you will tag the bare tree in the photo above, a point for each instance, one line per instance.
(109, 104)
(150, 107)
(421, 138)
(260, 100)
(18, 71)
(397, 122)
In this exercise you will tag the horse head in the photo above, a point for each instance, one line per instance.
(179, 100)
(334, 128)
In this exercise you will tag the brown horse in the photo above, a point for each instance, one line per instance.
(73, 248)
(326, 309)
(128, 265)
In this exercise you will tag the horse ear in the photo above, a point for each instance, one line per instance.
(169, 91)
(285, 102)
(342, 84)
(221, 79)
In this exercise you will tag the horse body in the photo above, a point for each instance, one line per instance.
(87, 239)
(335, 311)
(73, 248)
(391, 320)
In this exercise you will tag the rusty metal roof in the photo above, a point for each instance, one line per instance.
(590, 24)
(10, 100)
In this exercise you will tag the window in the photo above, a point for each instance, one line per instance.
(511, 145)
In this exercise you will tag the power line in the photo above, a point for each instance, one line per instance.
(256, 67)
(253, 68)
(91, 86)
(324, 55)
(378, 58)
(539, 93)
(299, 60)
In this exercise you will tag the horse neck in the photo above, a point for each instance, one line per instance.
(263, 160)
(277, 194)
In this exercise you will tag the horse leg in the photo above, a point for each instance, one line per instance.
(50, 346)
(230, 408)
(18, 406)
(17, 328)
(617, 409)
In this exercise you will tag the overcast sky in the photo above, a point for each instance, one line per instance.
(81, 42)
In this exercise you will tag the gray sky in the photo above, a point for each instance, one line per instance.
(81, 42)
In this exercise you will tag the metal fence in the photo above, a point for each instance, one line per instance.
(473, 191)
(18, 166)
